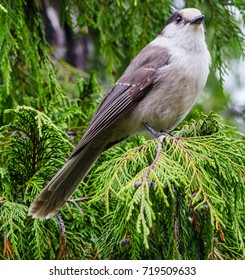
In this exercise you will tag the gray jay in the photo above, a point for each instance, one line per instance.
(156, 91)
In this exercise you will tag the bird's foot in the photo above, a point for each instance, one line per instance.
(155, 133)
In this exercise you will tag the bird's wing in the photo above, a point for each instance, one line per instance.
(134, 84)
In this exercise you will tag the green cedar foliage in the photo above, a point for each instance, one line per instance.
(176, 197)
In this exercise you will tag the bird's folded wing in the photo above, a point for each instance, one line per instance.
(135, 83)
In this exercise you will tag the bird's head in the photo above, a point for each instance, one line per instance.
(184, 25)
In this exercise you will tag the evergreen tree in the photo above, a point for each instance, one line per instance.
(178, 197)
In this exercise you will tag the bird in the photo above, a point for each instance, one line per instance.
(156, 92)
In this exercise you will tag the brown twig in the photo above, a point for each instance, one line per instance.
(159, 149)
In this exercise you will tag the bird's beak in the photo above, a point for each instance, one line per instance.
(197, 20)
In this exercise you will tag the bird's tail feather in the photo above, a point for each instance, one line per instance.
(64, 183)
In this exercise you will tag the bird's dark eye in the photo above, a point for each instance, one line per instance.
(178, 19)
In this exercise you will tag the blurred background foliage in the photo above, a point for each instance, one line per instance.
(57, 60)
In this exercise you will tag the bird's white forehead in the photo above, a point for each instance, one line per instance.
(190, 13)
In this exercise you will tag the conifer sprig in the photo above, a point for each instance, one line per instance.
(201, 171)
